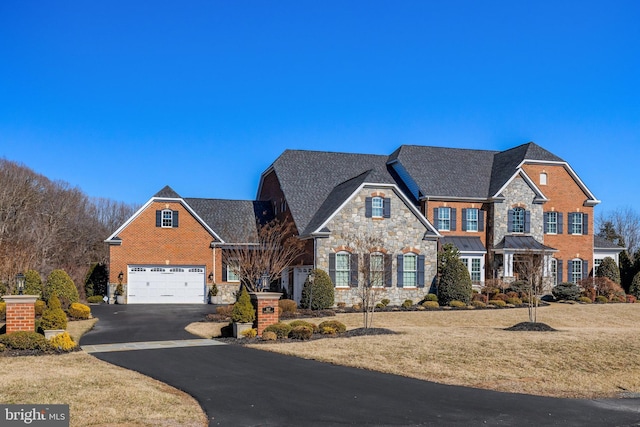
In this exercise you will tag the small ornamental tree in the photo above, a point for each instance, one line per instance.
(455, 283)
(317, 292)
(635, 286)
(609, 269)
(60, 284)
(243, 311)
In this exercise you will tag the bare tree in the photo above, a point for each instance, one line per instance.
(531, 267)
(626, 225)
(373, 270)
(274, 248)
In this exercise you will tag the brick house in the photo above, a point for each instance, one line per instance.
(496, 207)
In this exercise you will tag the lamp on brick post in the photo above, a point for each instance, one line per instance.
(20, 283)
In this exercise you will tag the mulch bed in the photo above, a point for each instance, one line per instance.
(531, 327)
(359, 332)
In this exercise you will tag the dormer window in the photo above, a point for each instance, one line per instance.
(167, 218)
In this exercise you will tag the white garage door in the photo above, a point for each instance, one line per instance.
(165, 285)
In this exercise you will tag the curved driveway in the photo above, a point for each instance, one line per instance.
(239, 386)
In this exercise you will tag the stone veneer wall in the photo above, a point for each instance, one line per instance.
(518, 193)
(400, 232)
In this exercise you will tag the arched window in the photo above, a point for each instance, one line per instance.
(518, 219)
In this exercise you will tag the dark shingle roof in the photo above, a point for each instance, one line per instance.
(233, 220)
(311, 181)
(465, 244)
(526, 243)
(168, 193)
(602, 243)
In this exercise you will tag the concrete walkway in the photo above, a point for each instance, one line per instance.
(148, 345)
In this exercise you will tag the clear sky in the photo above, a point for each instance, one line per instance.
(120, 98)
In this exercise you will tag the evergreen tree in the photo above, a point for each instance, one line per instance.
(609, 269)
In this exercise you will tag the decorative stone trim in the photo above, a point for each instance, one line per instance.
(343, 248)
(377, 194)
(411, 249)
(378, 249)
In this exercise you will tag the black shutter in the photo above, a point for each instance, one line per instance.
(368, 207)
(559, 273)
(585, 269)
(545, 219)
(569, 271)
(435, 218)
(158, 218)
(354, 270)
(464, 219)
(387, 270)
(570, 223)
(386, 207)
(367, 268)
(400, 269)
(527, 221)
(560, 231)
(585, 223)
(421, 271)
(174, 223)
(480, 220)
(453, 219)
(332, 268)
(510, 221)
(224, 272)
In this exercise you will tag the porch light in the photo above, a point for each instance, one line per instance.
(120, 276)
(20, 282)
(210, 276)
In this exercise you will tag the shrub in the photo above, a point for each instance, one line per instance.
(588, 287)
(341, 305)
(269, 336)
(54, 302)
(249, 333)
(634, 289)
(609, 269)
(430, 305)
(301, 332)
(95, 299)
(287, 306)
(79, 311)
(478, 304)
(3, 309)
(385, 302)
(480, 297)
(600, 299)
(455, 283)
(317, 294)
(225, 310)
(328, 330)
(585, 300)
(380, 306)
(39, 307)
(500, 296)
(32, 283)
(514, 301)
(296, 323)
(338, 326)
(498, 303)
(60, 284)
(566, 291)
(25, 340)
(608, 288)
(356, 307)
(457, 304)
(631, 299)
(62, 342)
(280, 329)
(519, 286)
(407, 303)
(431, 297)
(243, 311)
(53, 317)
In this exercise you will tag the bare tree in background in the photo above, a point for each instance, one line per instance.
(626, 225)
(262, 261)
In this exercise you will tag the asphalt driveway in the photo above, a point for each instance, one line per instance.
(238, 386)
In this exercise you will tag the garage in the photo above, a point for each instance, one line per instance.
(151, 284)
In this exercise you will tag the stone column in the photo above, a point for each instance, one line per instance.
(268, 312)
(21, 312)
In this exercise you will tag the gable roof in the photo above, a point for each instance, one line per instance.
(315, 182)
(167, 193)
(602, 243)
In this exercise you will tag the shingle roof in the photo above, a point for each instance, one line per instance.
(233, 220)
(168, 193)
(602, 243)
(464, 244)
(314, 182)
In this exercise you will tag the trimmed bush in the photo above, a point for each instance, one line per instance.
(455, 283)
(60, 284)
(585, 300)
(356, 307)
(431, 297)
(385, 301)
(3, 309)
(32, 283)
(338, 326)
(430, 305)
(296, 323)
(609, 269)
(514, 301)
(457, 304)
(39, 307)
(54, 302)
(280, 329)
(498, 303)
(600, 299)
(319, 294)
(341, 304)
(25, 340)
(478, 304)
(269, 336)
(53, 317)
(611, 290)
(301, 332)
(243, 311)
(500, 296)
(407, 303)
(62, 342)
(95, 299)
(634, 289)
(79, 311)
(328, 330)
(249, 333)
(519, 286)
(566, 291)
(287, 306)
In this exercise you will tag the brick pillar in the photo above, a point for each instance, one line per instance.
(21, 312)
(268, 312)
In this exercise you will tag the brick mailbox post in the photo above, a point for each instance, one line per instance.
(21, 312)
(268, 312)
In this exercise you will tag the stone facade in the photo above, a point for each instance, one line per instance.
(402, 232)
(518, 194)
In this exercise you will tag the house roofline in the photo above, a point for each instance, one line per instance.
(591, 201)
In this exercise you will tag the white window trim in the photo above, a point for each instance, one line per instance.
(440, 218)
(377, 209)
(543, 178)
(475, 221)
(549, 214)
(574, 262)
(169, 219)
(348, 269)
(521, 225)
(405, 270)
(230, 274)
(574, 223)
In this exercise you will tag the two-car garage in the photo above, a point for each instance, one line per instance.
(154, 284)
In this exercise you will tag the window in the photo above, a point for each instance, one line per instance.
(176, 270)
(475, 271)
(576, 223)
(232, 275)
(543, 178)
(376, 269)
(552, 222)
(596, 264)
(343, 269)
(167, 218)
(472, 219)
(377, 205)
(444, 219)
(576, 270)
(518, 221)
(409, 270)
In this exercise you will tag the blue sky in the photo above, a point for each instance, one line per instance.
(122, 98)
